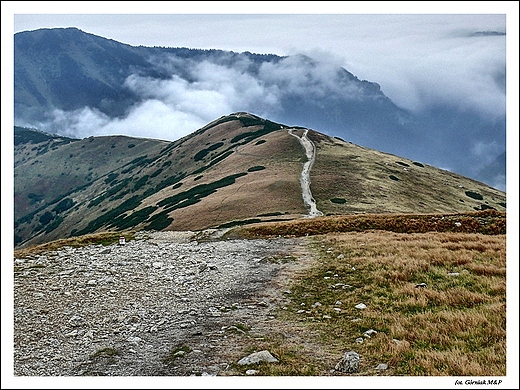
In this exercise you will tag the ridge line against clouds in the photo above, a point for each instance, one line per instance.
(510, 8)
(399, 52)
(421, 61)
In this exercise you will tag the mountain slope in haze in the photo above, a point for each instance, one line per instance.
(62, 76)
(69, 69)
(238, 169)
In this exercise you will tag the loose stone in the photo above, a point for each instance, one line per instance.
(349, 363)
(257, 357)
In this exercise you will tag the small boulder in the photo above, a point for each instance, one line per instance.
(257, 357)
(349, 363)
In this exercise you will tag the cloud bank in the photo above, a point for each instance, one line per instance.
(418, 59)
(171, 108)
(197, 92)
(421, 61)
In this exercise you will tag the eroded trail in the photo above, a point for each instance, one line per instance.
(123, 310)
(305, 180)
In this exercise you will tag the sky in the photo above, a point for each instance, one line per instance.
(418, 52)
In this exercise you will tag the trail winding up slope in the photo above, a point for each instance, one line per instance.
(305, 180)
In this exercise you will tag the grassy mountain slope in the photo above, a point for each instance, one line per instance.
(348, 178)
(238, 169)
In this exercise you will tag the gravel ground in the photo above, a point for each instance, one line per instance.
(165, 304)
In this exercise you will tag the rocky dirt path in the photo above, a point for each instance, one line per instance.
(305, 180)
(167, 303)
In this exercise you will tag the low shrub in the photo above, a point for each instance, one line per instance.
(256, 168)
(474, 195)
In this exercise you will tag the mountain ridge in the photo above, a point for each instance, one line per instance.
(65, 79)
(238, 169)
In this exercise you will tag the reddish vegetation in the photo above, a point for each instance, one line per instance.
(484, 222)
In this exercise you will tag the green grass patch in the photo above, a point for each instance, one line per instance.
(474, 195)
(105, 352)
(63, 205)
(159, 221)
(248, 136)
(107, 218)
(202, 153)
(111, 177)
(132, 219)
(239, 223)
(194, 194)
(256, 168)
(176, 353)
(274, 214)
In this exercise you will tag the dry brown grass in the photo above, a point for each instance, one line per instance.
(455, 326)
(276, 189)
(104, 238)
(362, 177)
(485, 222)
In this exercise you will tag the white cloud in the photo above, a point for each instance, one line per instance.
(298, 75)
(418, 59)
(486, 152)
(150, 119)
(173, 107)
(77, 124)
